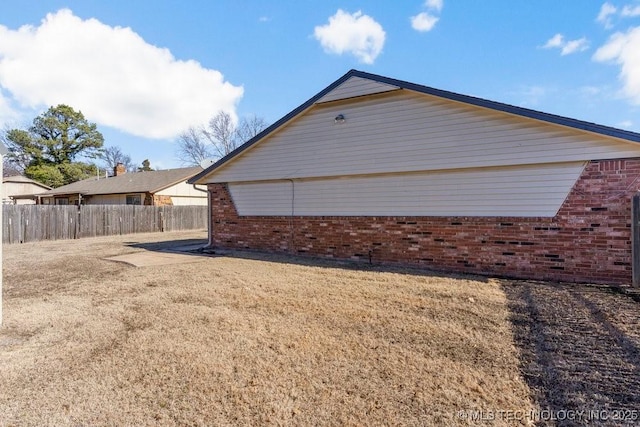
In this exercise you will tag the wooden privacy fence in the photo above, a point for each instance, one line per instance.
(31, 223)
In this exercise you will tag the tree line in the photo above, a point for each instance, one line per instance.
(61, 146)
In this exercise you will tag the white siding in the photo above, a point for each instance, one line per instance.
(189, 201)
(20, 201)
(184, 194)
(525, 191)
(404, 131)
(20, 189)
(356, 86)
(183, 190)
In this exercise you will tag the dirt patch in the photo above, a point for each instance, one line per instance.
(580, 350)
(246, 340)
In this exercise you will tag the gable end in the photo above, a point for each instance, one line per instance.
(356, 86)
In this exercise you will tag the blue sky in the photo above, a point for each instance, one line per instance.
(145, 70)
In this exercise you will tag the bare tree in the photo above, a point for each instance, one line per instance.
(220, 137)
(250, 127)
(193, 147)
(221, 133)
(111, 156)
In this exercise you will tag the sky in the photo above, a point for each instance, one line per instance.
(144, 71)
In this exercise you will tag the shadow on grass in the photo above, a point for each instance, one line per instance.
(579, 350)
(197, 247)
(187, 246)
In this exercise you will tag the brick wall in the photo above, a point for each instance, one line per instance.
(589, 240)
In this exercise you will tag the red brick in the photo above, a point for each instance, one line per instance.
(592, 244)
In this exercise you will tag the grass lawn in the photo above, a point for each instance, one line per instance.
(246, 340)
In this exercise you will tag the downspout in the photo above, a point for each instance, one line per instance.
(209, 216)
(292, 229)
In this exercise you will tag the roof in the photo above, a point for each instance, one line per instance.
(24, 180)
(136, 182)
(480, 102)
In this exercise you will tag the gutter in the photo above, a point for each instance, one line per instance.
(199, 189)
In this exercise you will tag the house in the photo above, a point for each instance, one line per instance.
(162, 187)
(20, 190)
(383, 170)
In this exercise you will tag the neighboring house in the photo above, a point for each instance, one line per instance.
(384, 170)
(20, 190)
(163, 187)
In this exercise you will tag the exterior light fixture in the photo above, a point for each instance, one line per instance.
(339, 119)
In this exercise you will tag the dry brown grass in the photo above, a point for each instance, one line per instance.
(246, 340)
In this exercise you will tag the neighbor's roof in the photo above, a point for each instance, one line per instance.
(511, 109)
(135, 182)
(24, 180)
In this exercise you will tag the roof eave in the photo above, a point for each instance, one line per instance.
(269, 130)
(480, 102)
(507, 108)
(73, 193)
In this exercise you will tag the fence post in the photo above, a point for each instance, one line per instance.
(76, 231)
(635, 239)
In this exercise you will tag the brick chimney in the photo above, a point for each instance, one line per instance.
(119, 170)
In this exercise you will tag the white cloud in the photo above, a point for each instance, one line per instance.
(555, 41)
(572, 46)
(567, 47)
(434, 4)
(8, 116)
(604, 17)
(357, 34)
(423, 22)
(111, 74)
(625, 124)
(607, 11)
(624, 49)
(630, 11)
